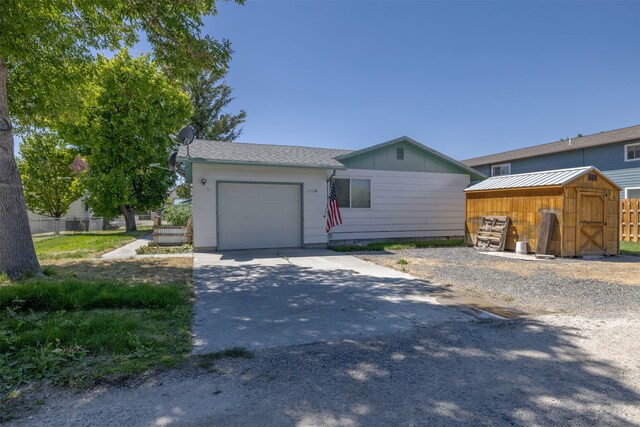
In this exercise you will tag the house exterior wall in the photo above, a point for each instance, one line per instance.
(77, 209)
(384, 158)
(204, 197)
(405, 205)
(609, 159)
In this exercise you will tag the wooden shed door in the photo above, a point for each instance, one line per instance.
(591, 223)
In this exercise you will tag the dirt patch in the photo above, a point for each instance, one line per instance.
(149, 270)
(623, 270)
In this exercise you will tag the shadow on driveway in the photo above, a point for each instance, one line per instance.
(516, 372)
(244, 300)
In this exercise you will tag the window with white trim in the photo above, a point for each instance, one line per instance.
(503, 169)
(632, 193)
(632, 152)
(353, 193)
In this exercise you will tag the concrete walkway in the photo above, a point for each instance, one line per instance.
(273, 298)
(128, 250)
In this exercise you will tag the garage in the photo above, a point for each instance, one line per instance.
(259, 215)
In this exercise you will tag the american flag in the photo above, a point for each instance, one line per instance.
(333, 210)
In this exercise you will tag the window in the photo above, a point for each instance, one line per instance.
(504, 169)
(353, 193)
(632, 193)
(400, 153)
(631, 152)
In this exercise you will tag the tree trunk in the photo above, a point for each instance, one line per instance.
(129, 218)
(17, 254)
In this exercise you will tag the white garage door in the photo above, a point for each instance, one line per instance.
(252, 216)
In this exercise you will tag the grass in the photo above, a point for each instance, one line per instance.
(90, 321)
(74, 246)
(74, 332)
(396, 246)
(151, 249)
(630, 248)
(402, 261)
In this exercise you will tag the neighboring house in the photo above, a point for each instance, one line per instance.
(616, 153)
(267, 196)
(77, 209)
(77, 217)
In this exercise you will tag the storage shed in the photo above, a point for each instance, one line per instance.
(585, 203)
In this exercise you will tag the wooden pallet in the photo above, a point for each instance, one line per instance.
(492, 234)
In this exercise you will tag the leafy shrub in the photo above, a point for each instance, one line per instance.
(178, 214)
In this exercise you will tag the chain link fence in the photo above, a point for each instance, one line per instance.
(71, 225)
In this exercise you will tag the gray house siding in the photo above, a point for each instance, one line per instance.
(610, 159)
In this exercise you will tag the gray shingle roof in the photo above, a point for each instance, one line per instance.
(261, 154)
(602, 138)
(532, 179)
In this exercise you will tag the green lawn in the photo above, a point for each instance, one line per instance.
(75, 332)
(83, 245)
(630, 248)
(396, 246)
(89, 320)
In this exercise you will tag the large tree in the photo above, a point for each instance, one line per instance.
(51, 183)
(130, 109)
(210, 96)
(44, 50)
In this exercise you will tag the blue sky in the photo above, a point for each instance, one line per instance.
(466, 78)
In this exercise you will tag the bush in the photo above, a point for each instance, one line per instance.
(178, 214)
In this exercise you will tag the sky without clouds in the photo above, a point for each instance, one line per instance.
(466, 78)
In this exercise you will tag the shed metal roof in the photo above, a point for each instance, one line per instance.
(260, 154)
(534, 179)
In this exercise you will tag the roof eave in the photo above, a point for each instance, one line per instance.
(555, 186)
(267, 164)
(512, 155)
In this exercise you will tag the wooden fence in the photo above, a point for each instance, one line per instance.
(630, 220)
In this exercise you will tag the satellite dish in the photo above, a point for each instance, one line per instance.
(186, 135)
(172, 161)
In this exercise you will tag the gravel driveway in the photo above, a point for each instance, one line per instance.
(607, 287)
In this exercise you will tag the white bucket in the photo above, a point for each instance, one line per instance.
(521, 248)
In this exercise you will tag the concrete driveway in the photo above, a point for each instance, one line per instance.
(273, 298)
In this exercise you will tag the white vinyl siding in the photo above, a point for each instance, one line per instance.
(314, 193)
(77, 210)
(406, 205)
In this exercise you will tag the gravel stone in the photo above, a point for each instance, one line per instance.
(544, 291)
